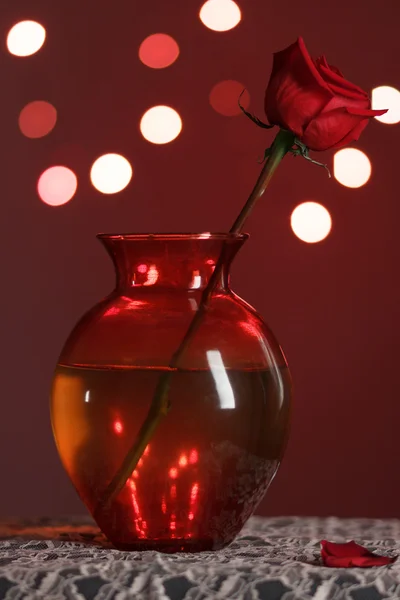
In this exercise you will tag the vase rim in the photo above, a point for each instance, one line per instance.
(173, 236)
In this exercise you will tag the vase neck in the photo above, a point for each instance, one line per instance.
(179, 261)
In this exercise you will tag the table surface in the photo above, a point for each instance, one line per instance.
(272, 559)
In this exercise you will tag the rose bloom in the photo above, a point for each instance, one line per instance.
(313, 100)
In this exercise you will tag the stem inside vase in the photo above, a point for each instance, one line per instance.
(160, 404)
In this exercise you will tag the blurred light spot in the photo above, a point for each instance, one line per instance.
(183, 461)
(205, 235)
(142, 268)
(111, 173)
(132, 485)
(163, 505)
(135, 474)
(112, 311)
(152, 275)
(118, 427)
(194, 491)
(224, 97)
(210, 261)
(160, 125)
(351, 167)
(57, 185)
(220, 15)
(87, 396)
(37, 119)
(147, 450)
(221, 379)
(25, 38)
(196, 281)
(311, 222)
(173, 473)
(173, 492)
(193, 304)
(385, 96)
(190, 516)
(140, 462)
(172, 525)
(250, 328)
(158, 51)
(193, 457)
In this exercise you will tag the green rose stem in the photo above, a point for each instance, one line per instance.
(160, 404)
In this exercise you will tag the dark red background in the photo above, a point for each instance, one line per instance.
(334, 306)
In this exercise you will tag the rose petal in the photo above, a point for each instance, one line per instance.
(296, 92)
(337, 80)
(358, 561)
(296, 108)
(310, 63)
(336, 70)
(329, 128)
(295, 56)
(346, 549)
(366, 112)
(347, 93)
(351, 555)
(356, 104)
(352, 136)
(321, 60)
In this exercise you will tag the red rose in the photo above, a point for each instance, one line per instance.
(351, 555)
(314, 101)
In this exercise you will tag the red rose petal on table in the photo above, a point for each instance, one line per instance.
(351, 555)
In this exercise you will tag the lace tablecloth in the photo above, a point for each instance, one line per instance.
(272, 559)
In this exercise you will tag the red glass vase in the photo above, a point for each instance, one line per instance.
(214, 454)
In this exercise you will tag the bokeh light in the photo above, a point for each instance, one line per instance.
(57, 185)
(173, 473)
(160, 125)
(351, 167)
(220, 15)
(118, 427)
(386, 96)
(224, 97)
(37, 119)
(158, 51)
(194, 456)
(311, 222)
(111, 173)
(25, 38)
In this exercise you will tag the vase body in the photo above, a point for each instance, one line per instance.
(212, 457)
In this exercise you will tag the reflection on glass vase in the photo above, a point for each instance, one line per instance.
(214, 454)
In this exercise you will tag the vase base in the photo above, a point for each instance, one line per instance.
(171, 546)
